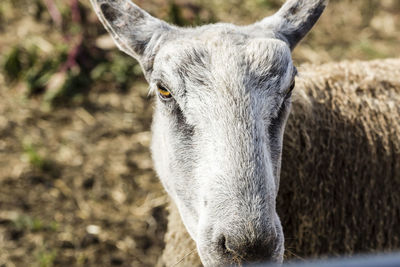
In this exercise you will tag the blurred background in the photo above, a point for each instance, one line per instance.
(76, 181)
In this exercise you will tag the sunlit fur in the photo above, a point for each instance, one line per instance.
(217, 141)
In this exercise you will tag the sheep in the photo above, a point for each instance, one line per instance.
(340, 180)
(224, 95)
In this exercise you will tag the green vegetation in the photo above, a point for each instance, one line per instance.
(370, 51)
(32, 224)
(36, 159)
(46, 258)
(64, 73)
(27, 65)
(195, 15)
(28, 223)
(60, 84)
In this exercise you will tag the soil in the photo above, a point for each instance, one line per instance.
(77, 185)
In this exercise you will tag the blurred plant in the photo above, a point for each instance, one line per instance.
(33, 156)
(175, 15)
(38, 161)
(67, 73)
(2, 18)
(189, 14)
(54, 12)
(12, 65)
(273, 4)
(369, 50)
(46, 258)
(30, 66)
(119, 68)
(369, 11)
(32, 224)
(28, 223)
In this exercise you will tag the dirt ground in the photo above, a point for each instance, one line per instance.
(77, 187)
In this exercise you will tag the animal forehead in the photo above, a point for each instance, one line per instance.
(232, 52)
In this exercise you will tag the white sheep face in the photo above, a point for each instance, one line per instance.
(223, 100)
(217, 140)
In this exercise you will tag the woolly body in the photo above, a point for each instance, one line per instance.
(340, 180)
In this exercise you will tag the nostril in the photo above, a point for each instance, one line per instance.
(248, 249)
(228, 247)
(222, 244)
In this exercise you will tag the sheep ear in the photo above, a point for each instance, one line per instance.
(295, 19)
(134, 31)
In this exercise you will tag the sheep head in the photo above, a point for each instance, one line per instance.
(224, 95)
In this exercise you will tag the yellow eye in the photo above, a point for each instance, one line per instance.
(163, 92)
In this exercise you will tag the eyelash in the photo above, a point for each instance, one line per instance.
(291, 88)
(163, 93)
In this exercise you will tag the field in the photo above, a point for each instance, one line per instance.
(77, 187)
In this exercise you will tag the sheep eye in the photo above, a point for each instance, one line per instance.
(163, 92)
(289, 93)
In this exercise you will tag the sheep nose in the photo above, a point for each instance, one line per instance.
(250, 248)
